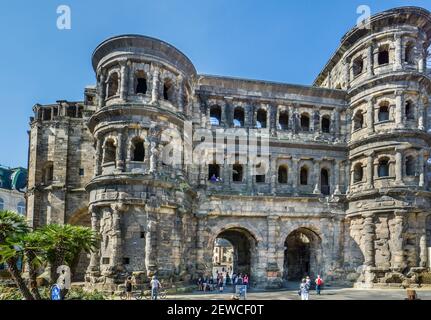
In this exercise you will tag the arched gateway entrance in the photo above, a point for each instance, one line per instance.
(302, 254)
(242, 254)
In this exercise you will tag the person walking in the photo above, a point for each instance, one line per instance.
(245, 280)
(155, 287)
(220, 283)
(319, 284)
(129, 285)
(304, 289)
(200, 286)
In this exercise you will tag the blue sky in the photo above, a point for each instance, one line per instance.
(286, 41)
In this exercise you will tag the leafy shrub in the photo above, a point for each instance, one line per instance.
(9, 293)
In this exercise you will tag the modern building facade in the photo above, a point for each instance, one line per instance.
(337, 186)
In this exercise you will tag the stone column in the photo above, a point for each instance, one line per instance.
(368, 236)
(116, 240)
(101, 89)
(99, 155)
(399, 109)
(155, 84)
(421, 57)
(273, 174)
(421, 114)
(421, 166)
(337, 180)
(94, 265)
(370, 60)
(124, 80)
(398, 52)
(180, 101)
(316, 170)
(397, 239)
(370, 171)
(119, 152)
(346, 66)
(290, 111)
(337, 122)
(131, 78)
(398, 167)
(370, 115)
(150, 242)
(294, 174)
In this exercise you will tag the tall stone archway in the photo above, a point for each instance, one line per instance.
(245, 257)
(302, 254)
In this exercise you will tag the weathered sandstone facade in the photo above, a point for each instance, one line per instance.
(345, 192)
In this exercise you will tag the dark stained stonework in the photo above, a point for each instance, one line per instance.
(346, 194)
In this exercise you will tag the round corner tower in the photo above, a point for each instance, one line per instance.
(140, 202)
(384, 72)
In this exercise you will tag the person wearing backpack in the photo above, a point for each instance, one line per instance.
(319, 283)
(304, 289)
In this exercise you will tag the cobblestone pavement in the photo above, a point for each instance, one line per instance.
(329, 294)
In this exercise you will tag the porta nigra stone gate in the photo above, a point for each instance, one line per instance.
(344, 192)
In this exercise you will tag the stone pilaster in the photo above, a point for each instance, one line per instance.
(124, 80)
(119, 152)
(94, 266)
(370, 115)
(180, 100)
(370, 60)
(337, 180)
(316, 173)
(421, 114)
(399, 100)
(370, 171)
(294, 175)
(398, 167)
(155, 84)
(397, 226)
(101, 89)
(421, 166)
(368, 237)
(398, 52)
(99, 155)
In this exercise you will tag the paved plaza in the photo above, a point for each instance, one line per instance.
(329, 294)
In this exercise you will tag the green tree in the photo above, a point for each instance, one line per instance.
(63, 244)
(13, 228)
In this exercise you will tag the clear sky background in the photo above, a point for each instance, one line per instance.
(287, 41)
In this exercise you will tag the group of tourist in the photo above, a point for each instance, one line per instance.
(305, 286)
(221, 280)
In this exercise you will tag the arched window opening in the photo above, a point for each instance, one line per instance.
(358, 120)
(410, 166)
(282, 174)
(409, 54)
(261, 118)
(113, 85)
(358, 173)
(305, 122)
(324, 182)
(215, 115)
(110, 152)
(213, 172)
(358, 66)
(237, 173)
(409, 112)
(48, 173)
(383, 168)
(168, 90)
(20, 208)
(383, 55)
(283, 120)
(138, 150)
(140, 82)
(384, 112)
(260, 178)
(303, 176)
(326, 124)
(238, 117)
